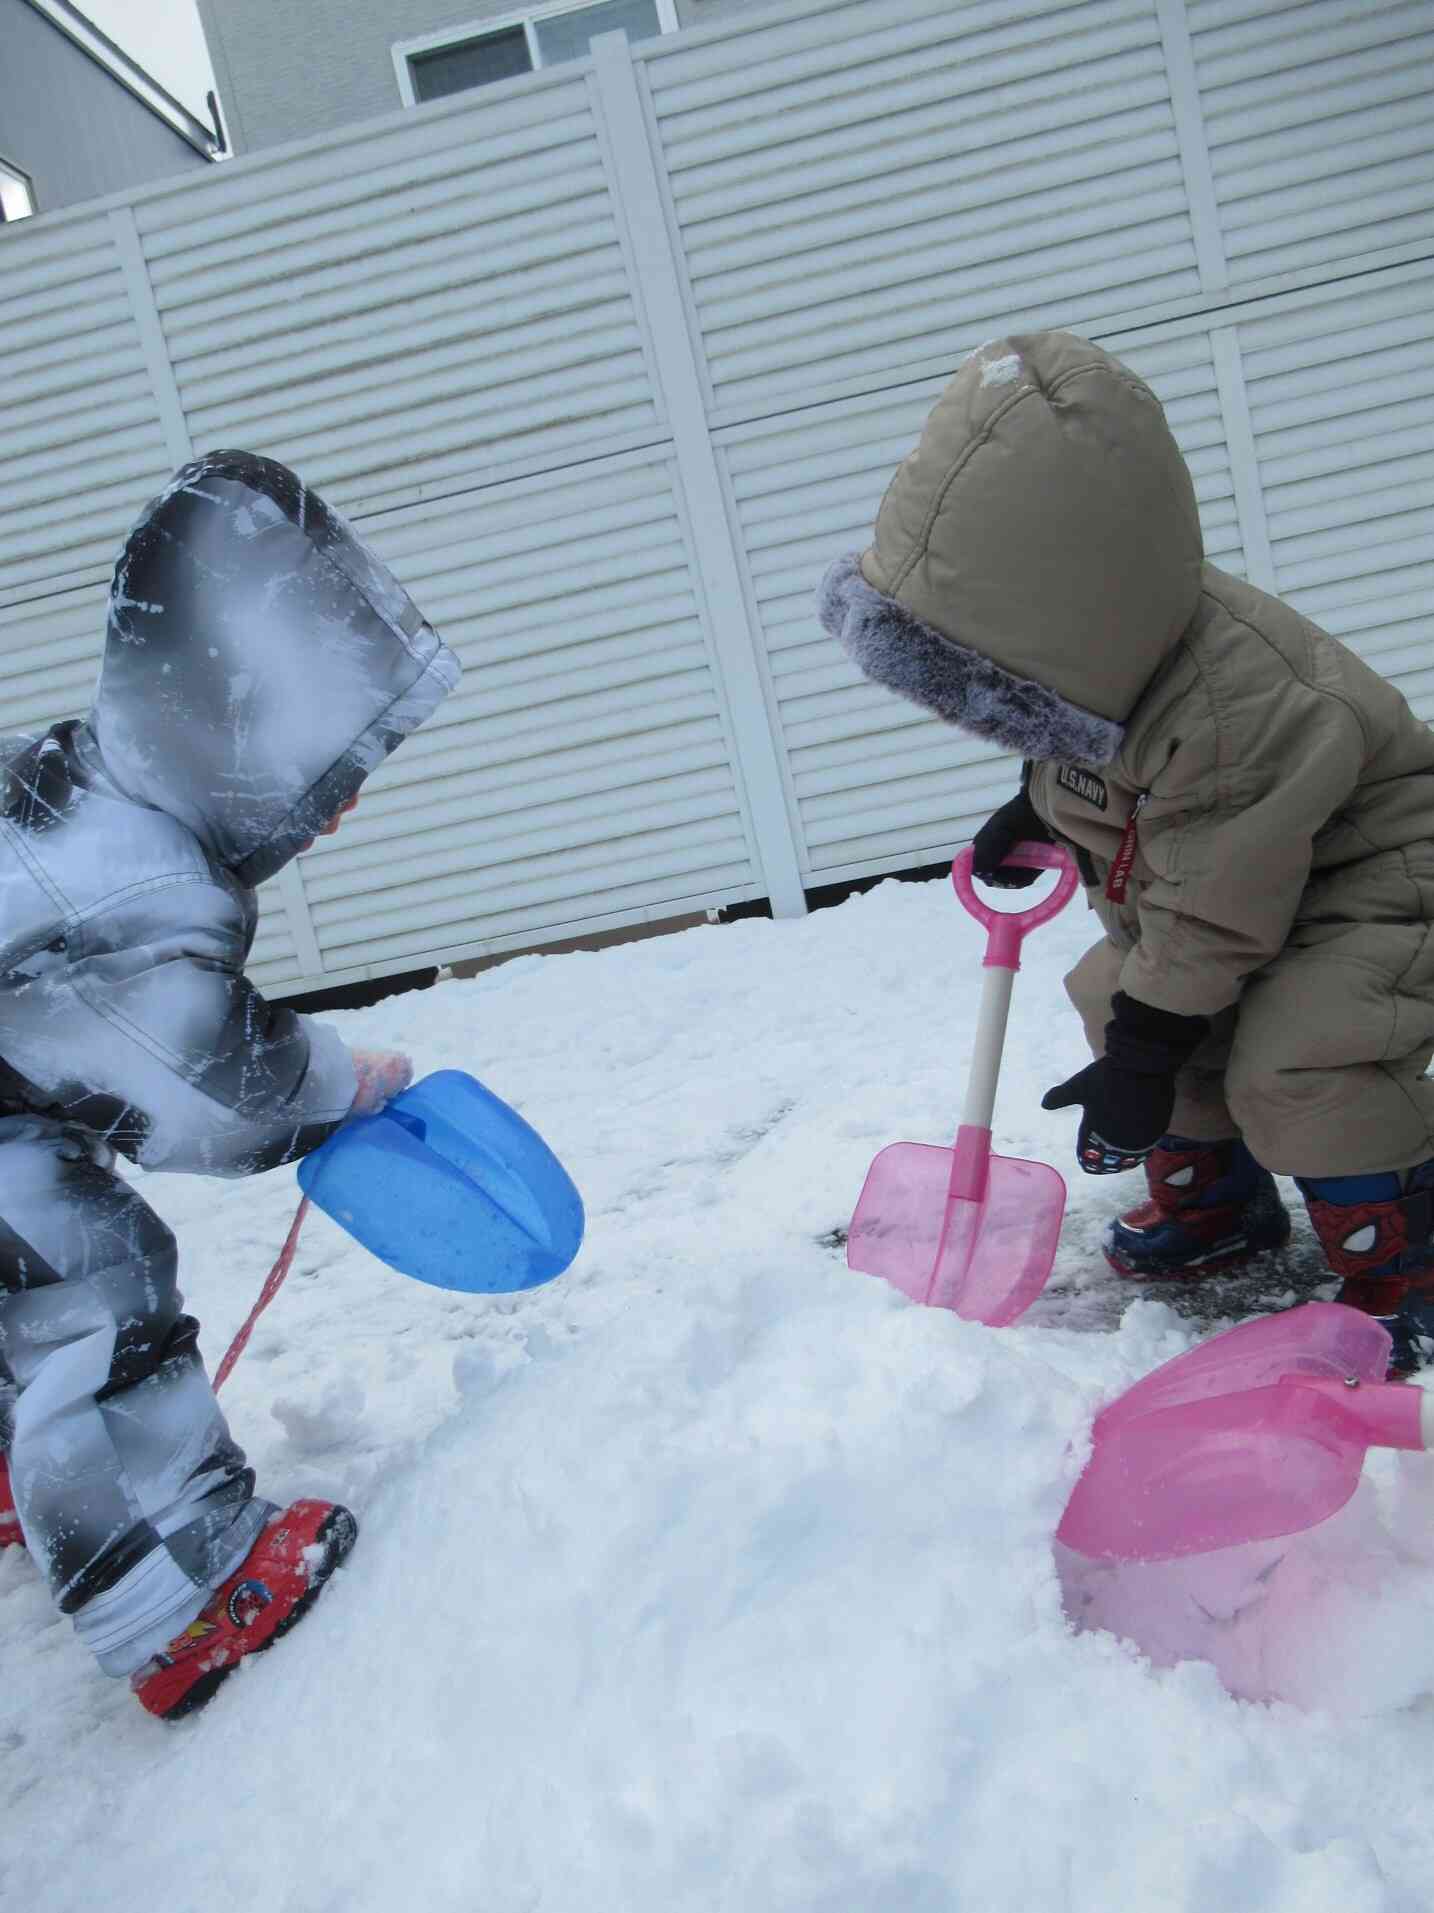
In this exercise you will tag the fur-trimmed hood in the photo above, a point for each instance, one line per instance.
(1035, 558)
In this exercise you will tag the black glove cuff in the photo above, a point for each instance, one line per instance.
(1150, 1042)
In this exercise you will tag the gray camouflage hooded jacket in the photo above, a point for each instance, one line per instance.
(259, 662)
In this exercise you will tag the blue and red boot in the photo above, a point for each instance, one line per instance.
(1377, 1233)
(1211, 1208)
(274, 1587)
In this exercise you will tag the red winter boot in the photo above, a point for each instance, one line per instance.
(1377, 1232)
(10, 1535)
(275, 1585)
(1211, 1208)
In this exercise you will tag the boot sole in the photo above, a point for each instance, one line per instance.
(336, 1537)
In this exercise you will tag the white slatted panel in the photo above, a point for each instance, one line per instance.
(410, 304)
(583, 768)
(876, 784)
(1180, 370)
(873, 781)
(50, 651)
(864, 189)
(425, 313)
(1320, 123)
(1342, 404)
(272, 962)
(82, 445)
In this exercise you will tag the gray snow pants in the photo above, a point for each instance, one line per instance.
(134, 1500)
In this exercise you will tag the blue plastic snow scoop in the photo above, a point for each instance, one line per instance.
(451, 1186)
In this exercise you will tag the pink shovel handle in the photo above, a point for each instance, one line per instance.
(1384, 1415)
(1007, 930)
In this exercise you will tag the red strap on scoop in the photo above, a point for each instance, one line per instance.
(273, 1282)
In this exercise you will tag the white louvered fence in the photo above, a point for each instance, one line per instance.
(610, 360)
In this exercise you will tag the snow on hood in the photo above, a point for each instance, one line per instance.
(259, 662)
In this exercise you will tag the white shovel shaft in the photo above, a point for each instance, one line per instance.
(990, 1041)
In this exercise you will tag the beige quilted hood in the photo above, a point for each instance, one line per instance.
(1035, 558)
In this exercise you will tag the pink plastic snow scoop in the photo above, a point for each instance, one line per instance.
(960, 1228)
(1257, 1433)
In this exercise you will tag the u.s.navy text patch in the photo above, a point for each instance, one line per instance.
(1084, 784)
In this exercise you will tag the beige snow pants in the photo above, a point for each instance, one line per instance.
(1318, 1081)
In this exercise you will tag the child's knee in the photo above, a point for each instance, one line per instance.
(1091, 985)
(66, 1217)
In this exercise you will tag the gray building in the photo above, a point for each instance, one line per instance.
(286, 71)
(78, 118)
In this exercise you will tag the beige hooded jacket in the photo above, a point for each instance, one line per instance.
(1037, 577)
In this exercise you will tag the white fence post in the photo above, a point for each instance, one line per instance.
(177, 441)
(1244, 461)
(639, 200)
(1194, 150)
(290, 885)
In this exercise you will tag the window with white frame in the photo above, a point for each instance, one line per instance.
(464, 57)
(17, 196)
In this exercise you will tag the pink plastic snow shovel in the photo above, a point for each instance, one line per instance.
(1257, 1433)
(961, 1228)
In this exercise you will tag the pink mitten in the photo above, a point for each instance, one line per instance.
(381, 1074)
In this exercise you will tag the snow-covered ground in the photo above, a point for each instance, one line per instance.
(713, 1576)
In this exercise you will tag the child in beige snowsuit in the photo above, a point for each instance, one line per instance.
(1251, 806)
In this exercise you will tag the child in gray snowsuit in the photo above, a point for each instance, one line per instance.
(259, 663)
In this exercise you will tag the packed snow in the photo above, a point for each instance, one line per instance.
(713, 1575)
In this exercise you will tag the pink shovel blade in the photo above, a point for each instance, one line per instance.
(1243, 1439)
(985, 1260)
(1322, 1339)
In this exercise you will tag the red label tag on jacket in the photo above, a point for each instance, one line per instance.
(1118, 880)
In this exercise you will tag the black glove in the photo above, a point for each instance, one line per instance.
(1012, 824)
(1128, 1094)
